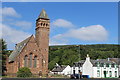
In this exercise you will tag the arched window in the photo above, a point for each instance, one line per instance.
(41, 24)
(35, 61)
(30, 60)
(46, 24)
(25, 60)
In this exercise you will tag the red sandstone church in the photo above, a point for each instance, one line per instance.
(33, 51)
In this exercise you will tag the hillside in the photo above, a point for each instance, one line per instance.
(69, 54)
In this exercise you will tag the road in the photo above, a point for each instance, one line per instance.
(58, 79)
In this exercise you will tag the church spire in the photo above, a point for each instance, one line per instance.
(43, 14)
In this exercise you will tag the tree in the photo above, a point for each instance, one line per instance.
(3, 55)
(24, 72)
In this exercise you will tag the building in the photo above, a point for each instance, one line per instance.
(61, 69)
(117, 60)
(33, 51)
(100, 68)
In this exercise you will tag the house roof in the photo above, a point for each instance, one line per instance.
(18, 49)
(43, 14)
(94, 62)
(117, 60)
(59, 68)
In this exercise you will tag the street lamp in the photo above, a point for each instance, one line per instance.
(79, 58)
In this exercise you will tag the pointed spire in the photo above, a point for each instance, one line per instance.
(43, 14)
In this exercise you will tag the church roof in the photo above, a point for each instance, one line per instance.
(18, 49)
(43, 14)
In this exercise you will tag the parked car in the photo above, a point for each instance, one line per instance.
(75, 76)
(78, 76)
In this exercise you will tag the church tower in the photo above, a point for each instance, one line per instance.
(42, 39)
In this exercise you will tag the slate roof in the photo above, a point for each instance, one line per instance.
(59, 68)
(43, 14)
(117, 60)
(94, 62)
(18, 49)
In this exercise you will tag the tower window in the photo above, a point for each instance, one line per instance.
(41, 24)
(44, 24)
(25, 60)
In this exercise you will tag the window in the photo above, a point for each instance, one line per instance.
(115, 73)
(25, 61)
(98, 73)
(113, 65)
(41, 24)
(107, 65)
(110, 72)
(30, 60)
(102, 64)
(35, 61)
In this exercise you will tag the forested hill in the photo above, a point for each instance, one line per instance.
(69, 54)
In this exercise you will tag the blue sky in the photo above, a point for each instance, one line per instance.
(71, 22)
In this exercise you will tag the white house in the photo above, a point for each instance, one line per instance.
(100, 68)
(61, 69)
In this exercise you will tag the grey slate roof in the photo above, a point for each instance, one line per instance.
(43, 14)
(94, 62)
(117, 60)
(59, 68)
(18, 49)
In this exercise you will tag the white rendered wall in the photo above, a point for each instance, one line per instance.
(87, 68)
(67, 70)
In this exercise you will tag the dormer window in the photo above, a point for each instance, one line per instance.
(107, 65)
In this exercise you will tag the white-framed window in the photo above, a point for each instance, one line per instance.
(98, 73)
(110, 73)
(115, 73)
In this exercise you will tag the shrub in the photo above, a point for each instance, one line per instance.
(24, 72)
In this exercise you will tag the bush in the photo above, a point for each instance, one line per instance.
(24, 72)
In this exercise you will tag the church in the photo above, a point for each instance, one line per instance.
(33, 51)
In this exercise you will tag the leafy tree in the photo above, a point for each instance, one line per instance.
(68, 54)
(24, 72)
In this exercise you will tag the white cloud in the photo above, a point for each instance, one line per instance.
(23, 24)
(89, 33)
(62, 23)
(12, 36)
(9, 11)
(58, 40)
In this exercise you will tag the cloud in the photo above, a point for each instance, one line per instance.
(23, 24)
(11, 35)
(58, 40)
(89, 33)
(9, 11)
(62, 23)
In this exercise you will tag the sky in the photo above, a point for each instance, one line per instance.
(71, 23)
